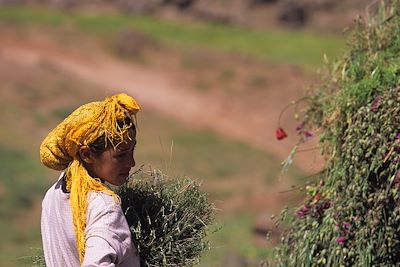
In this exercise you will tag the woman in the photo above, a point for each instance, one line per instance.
(82, 222)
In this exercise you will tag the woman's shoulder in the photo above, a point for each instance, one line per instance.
(56, 193)
(105, 213)
(102, 199)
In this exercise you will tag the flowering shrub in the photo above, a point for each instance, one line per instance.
(351, 216)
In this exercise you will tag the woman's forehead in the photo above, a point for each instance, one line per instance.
(129, 140)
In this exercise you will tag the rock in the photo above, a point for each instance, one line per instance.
(182, 4)
(293, 13)
(64, 4)
(265, 230)
(11, 2)
(211, 16)
(234, 260)
(263, 2)
(139, 6)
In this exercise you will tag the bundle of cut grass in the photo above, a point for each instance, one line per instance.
(37, 259)
(351, 216)
(168, 218)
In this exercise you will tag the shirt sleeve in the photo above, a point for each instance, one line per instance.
(98, 252)
(108, 238)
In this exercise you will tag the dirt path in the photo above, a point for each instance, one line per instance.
(159, 92)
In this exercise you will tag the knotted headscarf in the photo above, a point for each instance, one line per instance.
(60, 148)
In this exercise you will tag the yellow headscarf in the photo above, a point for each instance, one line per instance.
(59, 151)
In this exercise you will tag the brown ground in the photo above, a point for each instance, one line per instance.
(235, 97)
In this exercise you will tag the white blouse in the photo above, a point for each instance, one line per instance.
(108, 239)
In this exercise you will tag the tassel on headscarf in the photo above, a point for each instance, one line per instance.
(59, 151)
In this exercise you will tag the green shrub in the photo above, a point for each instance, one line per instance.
(351, 216)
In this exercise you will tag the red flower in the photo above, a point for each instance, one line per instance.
(280, 134)
(317, 197)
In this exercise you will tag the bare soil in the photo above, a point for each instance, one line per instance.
(244, 106)
(233, 96)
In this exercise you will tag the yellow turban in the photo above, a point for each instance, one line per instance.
(59, 150)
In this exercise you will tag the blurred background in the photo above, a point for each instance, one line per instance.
(212, 77)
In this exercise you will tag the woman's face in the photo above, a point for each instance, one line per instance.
(113, 165)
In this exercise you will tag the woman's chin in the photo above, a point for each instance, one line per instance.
(123, 179)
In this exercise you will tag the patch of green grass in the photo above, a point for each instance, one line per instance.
(202, 85)
(192, 61)
(302, 48)
(234, 238)
(28, 92)
(22, 184)
(20, 180)
(16, 254)
(225, 159)
(227, 75)
(29, 16)
(62, 112)
(257, 81)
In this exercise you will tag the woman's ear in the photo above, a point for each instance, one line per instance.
(85, 154)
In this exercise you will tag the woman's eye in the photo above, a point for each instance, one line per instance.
(124, 154)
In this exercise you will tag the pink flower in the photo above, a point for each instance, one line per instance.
(280, 134)
(327, 205)
(376, 103)
(308, 134)
(303, 212)
(300, 126)
(341, 240)
(303, 132)
(346, 227)
(396, 181)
